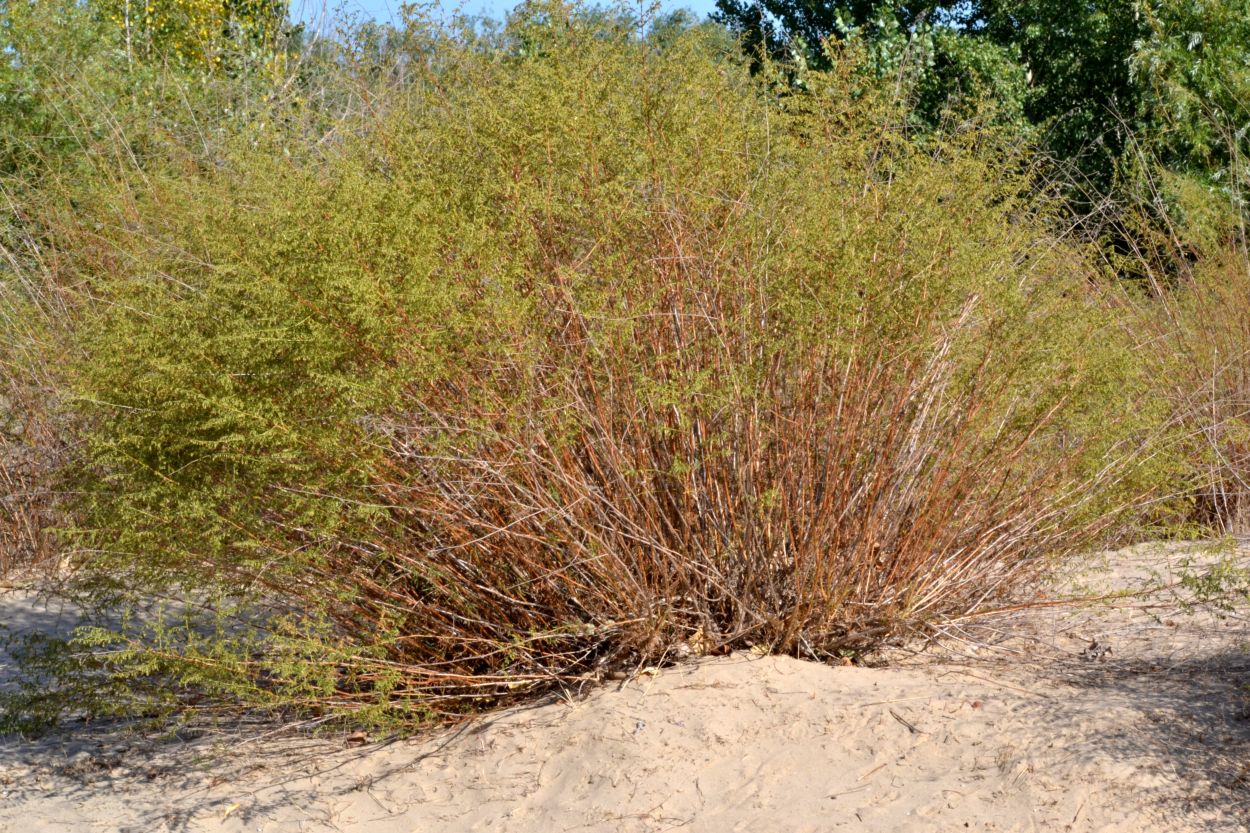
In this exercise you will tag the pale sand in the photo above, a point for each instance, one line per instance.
(1019, 729)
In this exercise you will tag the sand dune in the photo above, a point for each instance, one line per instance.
(1019, 722)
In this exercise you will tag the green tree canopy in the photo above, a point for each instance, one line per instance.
(1164, 79)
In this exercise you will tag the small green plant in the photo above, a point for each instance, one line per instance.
(1222, 586)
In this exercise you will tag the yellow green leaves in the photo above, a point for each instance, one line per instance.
(192, 32)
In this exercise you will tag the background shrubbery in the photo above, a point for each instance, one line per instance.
(470, 363)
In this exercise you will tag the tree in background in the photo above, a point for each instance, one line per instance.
(1107, 87)
(1076, 57)
(118, 60)
(193, 31)
(778, 26)
(1193, 69)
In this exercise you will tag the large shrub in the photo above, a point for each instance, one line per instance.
(579, 352)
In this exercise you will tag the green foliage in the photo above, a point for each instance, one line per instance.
(196, 33)
(47, 44)
(1224, 586)
(1201, 356)
(85, 78)
(776, 27)
(73, 106)
(918, 54)
(1194, 67)
(247, 369)
(1080, 94)
(1112, 89)
(968, 73)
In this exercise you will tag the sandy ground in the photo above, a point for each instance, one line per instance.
(1016, 722)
